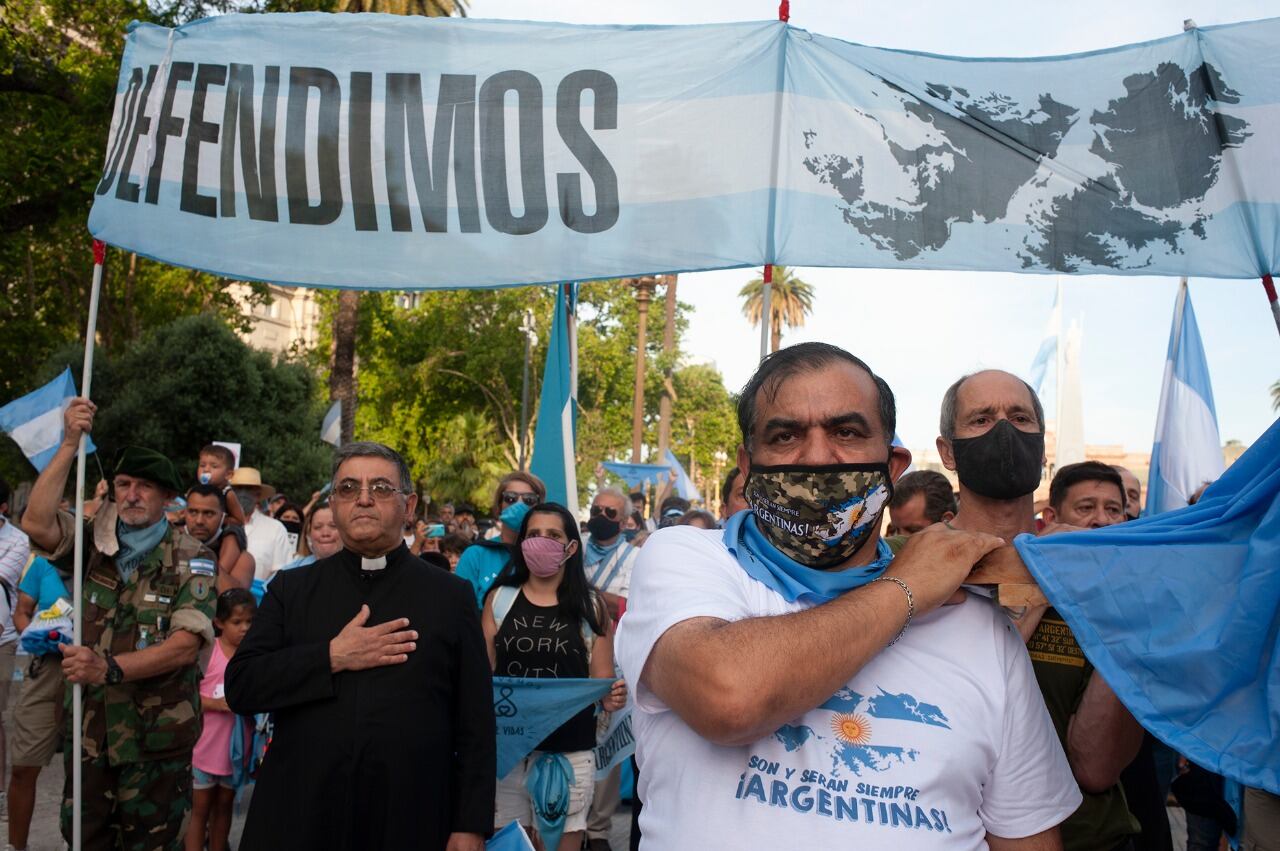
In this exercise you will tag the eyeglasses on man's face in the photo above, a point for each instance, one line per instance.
(607, 510)
(348, 490)
(510, 497)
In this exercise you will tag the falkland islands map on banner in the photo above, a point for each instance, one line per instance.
(378, 151)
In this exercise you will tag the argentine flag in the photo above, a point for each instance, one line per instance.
(35, 420)
(1187, 451)
(554, 457)
(331, 428)
(1048, 352)
(684, 486)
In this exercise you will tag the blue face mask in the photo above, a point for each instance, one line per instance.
(513, 515)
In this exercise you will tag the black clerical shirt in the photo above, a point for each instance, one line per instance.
(396, 757)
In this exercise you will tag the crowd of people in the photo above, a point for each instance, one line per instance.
(339, 654)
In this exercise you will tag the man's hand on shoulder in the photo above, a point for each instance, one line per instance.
(935, 562)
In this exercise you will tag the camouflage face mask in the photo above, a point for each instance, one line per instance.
(818, 516)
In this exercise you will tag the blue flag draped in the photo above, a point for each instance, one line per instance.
(528, 710)
(1180, 613)
(510, 838)
(554, 455)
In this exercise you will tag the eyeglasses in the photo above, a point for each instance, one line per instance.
(510, 497)
(348, 490)
(607, 511)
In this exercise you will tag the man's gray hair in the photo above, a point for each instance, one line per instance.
(615, 492)
(947, 419)
(369, 449)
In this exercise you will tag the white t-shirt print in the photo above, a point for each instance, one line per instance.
(940, 739)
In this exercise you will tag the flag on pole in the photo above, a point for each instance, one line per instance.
(554, 441)
(684, 485)
(35, 420)
(635, 475)
(1049, 345)
(1187, 451)
(331, 428)
(1180, 614)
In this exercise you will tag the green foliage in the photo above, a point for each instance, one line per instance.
(193, 381)
(58, 68)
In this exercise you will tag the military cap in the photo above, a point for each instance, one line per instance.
(148, 464)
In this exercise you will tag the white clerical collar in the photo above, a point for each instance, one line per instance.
(378, 563)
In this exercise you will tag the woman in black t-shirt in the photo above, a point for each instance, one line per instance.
(538, 621)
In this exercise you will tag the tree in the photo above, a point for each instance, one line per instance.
(192, 381)
(1275, 396)
(789, 303)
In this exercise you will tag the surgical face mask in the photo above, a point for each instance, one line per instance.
(247, 501)
(603, 528)
(1002, 464)
(820, 515)
(543, 556)
(630, 534)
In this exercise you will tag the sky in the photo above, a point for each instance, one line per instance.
(921, 330)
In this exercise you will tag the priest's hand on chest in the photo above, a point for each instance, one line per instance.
(359, 647)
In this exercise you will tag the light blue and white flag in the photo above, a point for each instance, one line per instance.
(1048, 353)
(35, 420)
(510, 838)
(1180, 613)
(381, 151)
(617, 743)
(331, 428)
(528, 710)
(684, 485)
(1187, 452)
(555, 439)
(635, 475)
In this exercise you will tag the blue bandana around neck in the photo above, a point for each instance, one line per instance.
(793, 581)
(136, 543)
(594, 553)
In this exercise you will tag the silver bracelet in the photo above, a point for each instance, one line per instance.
(911, 605)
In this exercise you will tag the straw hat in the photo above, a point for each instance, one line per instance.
(249, 477)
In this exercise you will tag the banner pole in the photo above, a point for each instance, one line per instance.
(766, 295)
(1270, 286)
(77, 691)
(766, 321)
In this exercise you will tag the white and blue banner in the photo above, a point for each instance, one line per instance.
(34, 421)
(684, 486)
(382, 151)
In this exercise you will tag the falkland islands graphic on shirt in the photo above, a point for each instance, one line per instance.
(843, 784)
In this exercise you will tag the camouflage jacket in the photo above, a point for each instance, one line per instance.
(172, 589)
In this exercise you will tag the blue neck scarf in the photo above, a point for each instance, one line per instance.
(594, 553)
(136, 543)
(793, 581)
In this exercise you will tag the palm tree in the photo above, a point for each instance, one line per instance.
(789, 303)
(342, 368)
(1275, 396)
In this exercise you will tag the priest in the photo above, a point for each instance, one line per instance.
(375, 668)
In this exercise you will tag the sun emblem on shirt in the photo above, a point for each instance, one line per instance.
(852, 729)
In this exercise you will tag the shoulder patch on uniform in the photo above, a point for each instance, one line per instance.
(200, 587)
(202, 567)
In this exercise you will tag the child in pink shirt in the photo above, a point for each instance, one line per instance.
(214, 793)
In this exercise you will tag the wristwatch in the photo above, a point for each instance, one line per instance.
(115, 674)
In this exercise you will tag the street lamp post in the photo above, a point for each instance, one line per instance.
(644, 294)
(530, 338)
(719, 458)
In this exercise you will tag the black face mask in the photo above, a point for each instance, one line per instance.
(292, 527)
(1004, 463)
(602, 528)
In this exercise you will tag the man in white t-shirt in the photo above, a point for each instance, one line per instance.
(799, 687)
(268, 539)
